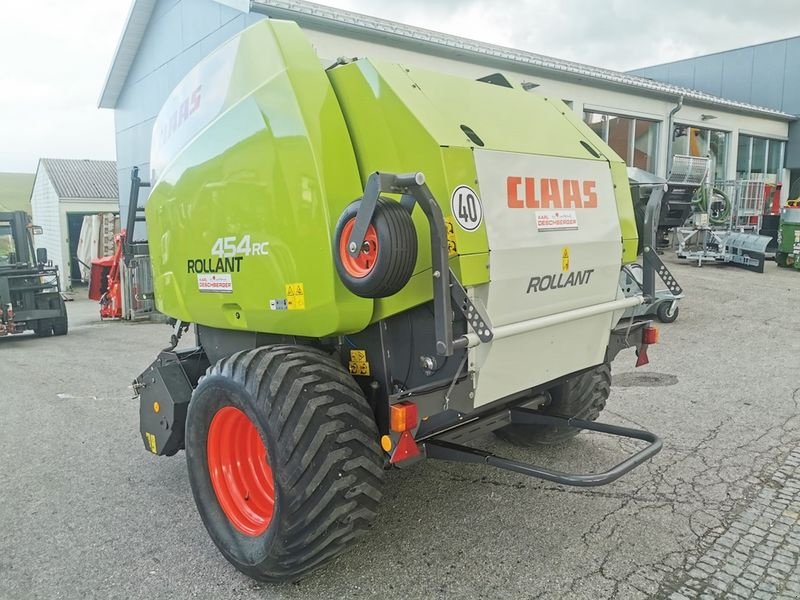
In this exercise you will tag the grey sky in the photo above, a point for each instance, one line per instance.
(54, 54)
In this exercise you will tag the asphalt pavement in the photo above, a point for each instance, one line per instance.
(86, 512)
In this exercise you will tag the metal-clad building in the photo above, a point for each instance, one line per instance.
(164, 39)
(64, 192)
(763, 74)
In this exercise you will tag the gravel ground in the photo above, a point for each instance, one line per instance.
(85, 512)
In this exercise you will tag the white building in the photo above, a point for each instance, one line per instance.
(645, 121)
(64, 192)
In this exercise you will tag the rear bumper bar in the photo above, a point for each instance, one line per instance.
(444, 450)
(470, 340)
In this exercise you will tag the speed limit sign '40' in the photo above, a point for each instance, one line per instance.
(466, 207)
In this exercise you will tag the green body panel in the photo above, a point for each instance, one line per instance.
(786, 237)
(627, 218)
(273, 161)
(260, 142)
(788, 253)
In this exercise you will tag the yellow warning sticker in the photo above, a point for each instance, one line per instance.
(452, 246)
(295, 296)
(151, 442)
(358, 363)
(565, 259)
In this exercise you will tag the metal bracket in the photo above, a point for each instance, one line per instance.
(654, 265)
(134, 215)
(651, 263)
(455, 452)
(473, 312)
(413, 188)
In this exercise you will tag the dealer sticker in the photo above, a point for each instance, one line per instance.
(555, 220)
(218, 282)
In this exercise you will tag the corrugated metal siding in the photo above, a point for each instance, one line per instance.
(45, 212)
(754, 75)
(765, 75)
(84, 179)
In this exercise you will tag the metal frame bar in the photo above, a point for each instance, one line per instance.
(413, 189)
(133, 213)
(443, 450)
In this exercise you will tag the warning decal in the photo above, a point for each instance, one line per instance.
(295, 296)
(151, 442)
(565, 259)
(452, 246)
(358, 363)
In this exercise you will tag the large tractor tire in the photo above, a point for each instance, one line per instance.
(43, 328)
(583, 396)
(388, 255)
(60, 326)
(283, 458)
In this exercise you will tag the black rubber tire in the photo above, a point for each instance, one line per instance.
(665, 315)
(43, 328)
(583, 396)
(60, 326)
(322, 444)
(397, 250)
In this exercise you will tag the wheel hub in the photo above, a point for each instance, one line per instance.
(362, 264)
(240, 472)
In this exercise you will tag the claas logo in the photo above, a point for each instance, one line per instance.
(538, 192)
(180, 115)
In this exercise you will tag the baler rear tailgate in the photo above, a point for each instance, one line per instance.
(554, 242)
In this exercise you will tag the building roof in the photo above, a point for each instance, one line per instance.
(719, 52)
(15, 191)
(128, 46)
(316, 16)
(82, 178)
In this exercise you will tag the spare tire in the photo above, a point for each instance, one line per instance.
(388, 254)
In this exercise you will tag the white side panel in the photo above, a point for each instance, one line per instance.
(555, 245)
(45, 213)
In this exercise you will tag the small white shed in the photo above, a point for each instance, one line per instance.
(64, 192)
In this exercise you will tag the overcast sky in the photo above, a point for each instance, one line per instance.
(54, 54)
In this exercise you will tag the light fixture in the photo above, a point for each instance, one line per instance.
(707, 117)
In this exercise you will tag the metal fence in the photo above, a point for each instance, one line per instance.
(137, 297)
(741, 201)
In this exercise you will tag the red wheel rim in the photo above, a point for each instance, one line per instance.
(240, 471)
(360, 266)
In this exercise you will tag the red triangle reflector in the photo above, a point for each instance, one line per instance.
(406, 448)
(641, 356)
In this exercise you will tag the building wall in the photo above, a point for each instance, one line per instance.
(764, 75)
(179, 35)
(45, 213)
(582, 97)
(182, 32)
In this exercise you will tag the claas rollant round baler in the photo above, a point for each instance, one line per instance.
(379, 264)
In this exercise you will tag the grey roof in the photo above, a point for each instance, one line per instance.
(316, 16)
(83, 178)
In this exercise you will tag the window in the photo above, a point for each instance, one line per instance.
(698, 141)
(6, 243)
(635, 140)
(759, 158)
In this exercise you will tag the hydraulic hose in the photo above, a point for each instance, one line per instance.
(701, 201)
